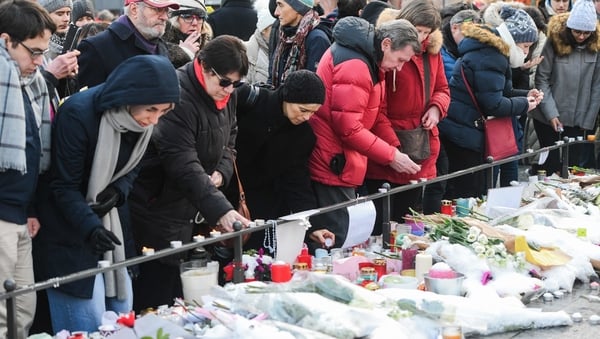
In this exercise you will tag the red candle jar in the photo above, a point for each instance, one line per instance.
(281, 272)
(380, 266)
(446, 207)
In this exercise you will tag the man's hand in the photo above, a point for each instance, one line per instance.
(106, 201)
(64, 65)
(217, 178)
(403, 164)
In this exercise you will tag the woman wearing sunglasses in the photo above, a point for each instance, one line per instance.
(189, 161)
(569, 76)
(188, 28)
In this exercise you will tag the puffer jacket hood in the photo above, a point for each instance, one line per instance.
(475, 35)
(140, 80)
(355, 33)
(557, 25)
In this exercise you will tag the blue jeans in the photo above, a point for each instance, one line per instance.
(80, 314)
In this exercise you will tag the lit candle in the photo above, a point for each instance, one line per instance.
(147, 250)
(198, 238)
(176, 244)
(215, 233)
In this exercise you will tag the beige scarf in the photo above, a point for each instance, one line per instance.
(113, 123)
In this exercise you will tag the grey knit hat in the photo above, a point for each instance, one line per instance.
(303, 87)
(520, 25)
(82, 8)
(54, 5)
(583, 16)
(301, 6)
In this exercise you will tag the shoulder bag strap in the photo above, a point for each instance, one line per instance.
(462, 72)
(427, 74)
(237, 175)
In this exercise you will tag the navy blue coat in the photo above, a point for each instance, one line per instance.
(484, 56)
(102, 53)
(235, 17)
(61, 246)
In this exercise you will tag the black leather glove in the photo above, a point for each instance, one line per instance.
(105, 201)
(102, 240)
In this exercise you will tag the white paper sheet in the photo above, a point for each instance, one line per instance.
(361, 219)
(509, 197)
(542, 157)
(290, 238)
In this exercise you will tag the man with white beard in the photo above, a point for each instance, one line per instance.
(138, 31)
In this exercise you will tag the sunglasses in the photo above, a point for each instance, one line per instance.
(188, 18)
(582, 33)
(34, 53)
(224, 82)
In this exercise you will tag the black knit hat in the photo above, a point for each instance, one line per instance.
(303, 87)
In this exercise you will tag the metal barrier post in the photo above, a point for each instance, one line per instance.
(11, 310)
(385, 217)
(238, 269)
(490, 173)
(564, 170)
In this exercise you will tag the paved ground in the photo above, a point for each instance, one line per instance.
(570, 303)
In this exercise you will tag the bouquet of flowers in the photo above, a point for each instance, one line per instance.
(257, 266)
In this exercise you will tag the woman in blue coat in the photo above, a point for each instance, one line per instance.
(487, 55)
(99, 137)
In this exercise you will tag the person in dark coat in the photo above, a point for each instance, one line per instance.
(189, 161)
(136, 32)
(487, 55)
(273, 145)
(100, 135)
(235, 17)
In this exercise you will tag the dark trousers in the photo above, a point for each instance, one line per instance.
(434, 193)
(470, 185)
(335, 221)
(581, 155)
(399, 203)
(157, 284)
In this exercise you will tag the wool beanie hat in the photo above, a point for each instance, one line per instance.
(53, 5)
(303, 87)
(520, 25)
(264, 19)
(372, 10)
(82, 8)
(583, 16)
(301, 6)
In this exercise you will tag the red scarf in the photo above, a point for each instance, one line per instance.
(200, 75)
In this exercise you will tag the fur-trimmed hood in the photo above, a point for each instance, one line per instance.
(557, 25)
(485, 35)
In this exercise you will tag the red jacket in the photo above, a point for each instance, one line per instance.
(406, 105)
(352, 121)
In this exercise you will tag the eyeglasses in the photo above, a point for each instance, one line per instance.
(224, 82)
(189, 18)
(34, 53)
(582, 33)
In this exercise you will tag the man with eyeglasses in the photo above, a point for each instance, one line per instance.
(25, 30)
(188, 28)
(137, 32)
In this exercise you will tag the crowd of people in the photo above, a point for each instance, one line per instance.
(118, 133)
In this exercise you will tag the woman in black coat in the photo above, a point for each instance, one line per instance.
(189, 161)
(273, 145)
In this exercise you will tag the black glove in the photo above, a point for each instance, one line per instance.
(105, 201)
(102, 240)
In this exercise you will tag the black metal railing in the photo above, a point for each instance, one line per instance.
(12, 290)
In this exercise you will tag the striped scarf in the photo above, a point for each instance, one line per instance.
(12, 114)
